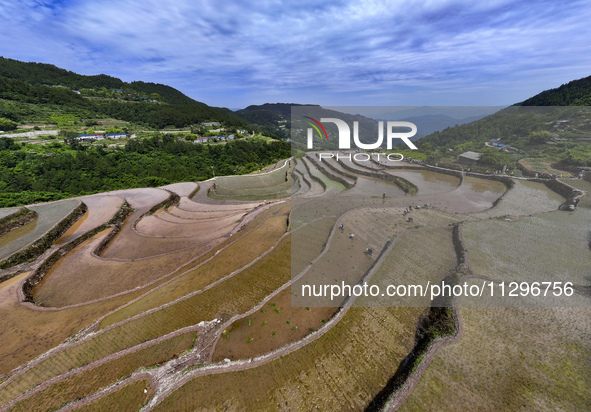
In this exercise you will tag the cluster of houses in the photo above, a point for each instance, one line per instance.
(500, 145)
(100, 136)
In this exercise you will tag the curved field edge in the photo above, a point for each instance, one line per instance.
(228, 260)
(254, 181)
(279, 302)
(17, 219)
(236, 295)
(275, 184)
(63, 383)
(402, 183)
(132, 396)
(37, 247)
(101, 374)
(116, 302)
(316, 369)
(115, 224)
(166, 278)
(323, 362)
(437, 327)
(510, 359)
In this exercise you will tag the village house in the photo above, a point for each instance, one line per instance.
(469, 158)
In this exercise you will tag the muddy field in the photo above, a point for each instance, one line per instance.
(196, 302)
(49, 214)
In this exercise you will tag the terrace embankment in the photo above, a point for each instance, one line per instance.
(401, 182)
(15, 220)
(438, 326)
(40, 245)
(346, 181)
(38, 274)
(565, 190)
(271, 185)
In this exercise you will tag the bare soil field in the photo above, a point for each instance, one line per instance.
(100, 210)
(198, 305)
(341, 370)
(182, 189)
(26, 332)
(236, 295)
(417, 257)
(188, 205)
(511, 359)
(283, 321)
(129, 398)
(236, 256)
(87, 382)
(210, 229)
(109, 277)
(270, 328)
(196, 217)
(228, 184)
(346, 259)
(523, 250)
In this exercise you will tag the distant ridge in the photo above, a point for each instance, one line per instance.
(28, 83)
(573, 93)
(42, 73)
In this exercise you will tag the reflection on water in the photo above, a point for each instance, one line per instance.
(480, 193)
(72, 230)
(484, 185)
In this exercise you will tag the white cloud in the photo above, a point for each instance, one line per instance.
(351, 48)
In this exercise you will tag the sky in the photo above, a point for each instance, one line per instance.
(344, 52)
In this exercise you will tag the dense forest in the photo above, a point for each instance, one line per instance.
(574, 93)
(37, 173)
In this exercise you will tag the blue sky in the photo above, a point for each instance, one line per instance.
(362, 52)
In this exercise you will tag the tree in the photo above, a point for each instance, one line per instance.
(7, 124)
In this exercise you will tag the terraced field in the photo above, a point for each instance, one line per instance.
(192, 296)
(270, 185)
(49, 215)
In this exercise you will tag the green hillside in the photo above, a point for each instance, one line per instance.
(554, 125)
(48, 74)
(574, 93)
(33, 92)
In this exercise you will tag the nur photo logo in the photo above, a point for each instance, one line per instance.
(344, 131)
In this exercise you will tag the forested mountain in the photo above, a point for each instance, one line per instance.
(574, 93)
(560, 134)
(276, 118)
(154, 105)
(273, 119)
(48, 74)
